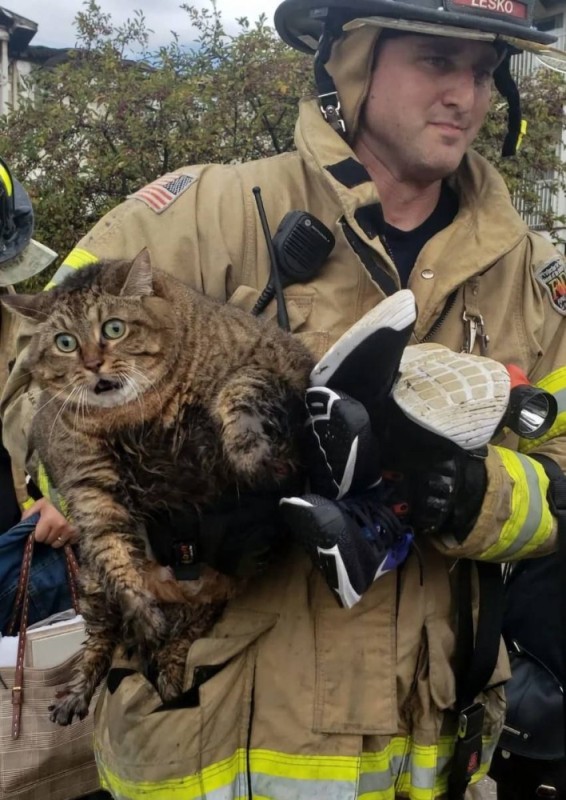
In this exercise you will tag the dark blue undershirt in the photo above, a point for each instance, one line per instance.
(405, 246)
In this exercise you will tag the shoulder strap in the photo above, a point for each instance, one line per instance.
(21, 609)
(476, 660)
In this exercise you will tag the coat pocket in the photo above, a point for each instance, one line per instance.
(299, 307)
(141, 741)
(356, 667)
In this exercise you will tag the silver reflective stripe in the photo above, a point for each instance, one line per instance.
(421, 777)
(560, 398)
(277, 788)
(534, 514)
(62, 273)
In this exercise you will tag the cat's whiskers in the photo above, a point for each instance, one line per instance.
(55, 396)
(63, 406)
(149, 383)
(145, 379)
(80, 406)
(129, 381)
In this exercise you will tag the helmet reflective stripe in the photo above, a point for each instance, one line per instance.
(6, 178)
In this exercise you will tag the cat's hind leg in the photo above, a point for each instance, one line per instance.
(188, 623)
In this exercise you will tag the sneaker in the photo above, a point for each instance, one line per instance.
(342, 452)
(364, 362)
(353, 542)
(459, 397)
(349, 386)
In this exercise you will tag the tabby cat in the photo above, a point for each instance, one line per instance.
(153, 396)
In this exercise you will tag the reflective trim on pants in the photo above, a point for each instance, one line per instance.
(417, 771)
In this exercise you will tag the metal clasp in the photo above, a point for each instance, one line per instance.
(470, 721)
(474, 329)
(331, 110)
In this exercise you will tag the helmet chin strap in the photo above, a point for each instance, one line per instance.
(328, 99)
(506, 86)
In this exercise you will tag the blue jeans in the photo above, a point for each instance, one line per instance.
(48, 587)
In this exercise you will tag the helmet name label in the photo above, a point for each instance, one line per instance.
(510, 8)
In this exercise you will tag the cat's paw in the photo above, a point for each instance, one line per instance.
(251, 449)
(67, 705)
(169, 684)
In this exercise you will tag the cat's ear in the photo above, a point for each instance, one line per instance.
(30, 306)
(139, 280)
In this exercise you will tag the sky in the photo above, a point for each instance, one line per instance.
(55, 17)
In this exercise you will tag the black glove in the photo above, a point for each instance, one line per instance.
(443, 484)
(447, 495)
(238, 537)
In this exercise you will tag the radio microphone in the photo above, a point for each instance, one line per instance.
(301, 245)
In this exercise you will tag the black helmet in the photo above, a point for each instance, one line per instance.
(313, 26)
(300, 23)
(20, 256)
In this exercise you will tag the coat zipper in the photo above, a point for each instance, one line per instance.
(439, 322)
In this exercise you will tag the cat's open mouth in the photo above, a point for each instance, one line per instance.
(106, 385)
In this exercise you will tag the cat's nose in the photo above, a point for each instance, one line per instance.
(93, 363)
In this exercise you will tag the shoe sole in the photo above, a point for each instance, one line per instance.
(458, 396)
(396, 313)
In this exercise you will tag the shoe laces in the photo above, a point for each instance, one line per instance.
(378, 521)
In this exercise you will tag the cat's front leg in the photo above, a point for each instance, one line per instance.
(259, 421)
(102, 636)
(114, 549)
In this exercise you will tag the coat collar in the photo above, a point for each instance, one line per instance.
(486, 228)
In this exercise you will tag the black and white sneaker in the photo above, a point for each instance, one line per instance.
(364, 362)
(353, 542)
(349, 386)
(343, 455)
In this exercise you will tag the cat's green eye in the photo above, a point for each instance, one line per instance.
(113, 329)
(66, 342)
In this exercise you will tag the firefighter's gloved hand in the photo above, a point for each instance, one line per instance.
(238, 536)
(446, 494)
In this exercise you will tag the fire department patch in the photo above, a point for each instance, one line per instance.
(552, 275)
(160, 194)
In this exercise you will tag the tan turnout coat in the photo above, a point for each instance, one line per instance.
(313, 699)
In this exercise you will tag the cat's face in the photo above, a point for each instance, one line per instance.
(103, 338)
(103, 351)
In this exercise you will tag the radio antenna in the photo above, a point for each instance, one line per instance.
(282, 316)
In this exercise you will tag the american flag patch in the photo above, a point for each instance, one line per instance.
(165, 190)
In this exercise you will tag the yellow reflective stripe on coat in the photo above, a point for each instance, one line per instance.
(420, 772)
(530, 523)
(49, 491)
(555, 383)
(76, 259)
(6, 180)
